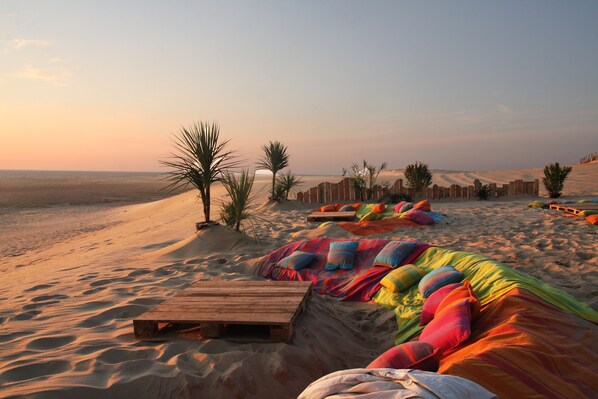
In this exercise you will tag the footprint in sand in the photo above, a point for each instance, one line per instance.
(93, 291)
(108, 316)
(100, 283)
(43, 298)
(86, 277)
(39, 287)
(26, 315)
(38, 305)
(139, 272)
(47, 343)
(36, 370)
(12, 336)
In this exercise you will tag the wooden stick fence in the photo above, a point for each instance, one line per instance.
(344, 191)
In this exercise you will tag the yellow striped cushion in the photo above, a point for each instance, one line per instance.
(402, 278)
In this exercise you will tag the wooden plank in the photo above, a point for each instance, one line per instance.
(200, 305)
(330, 216)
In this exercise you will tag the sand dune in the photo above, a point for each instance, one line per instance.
(66, 306)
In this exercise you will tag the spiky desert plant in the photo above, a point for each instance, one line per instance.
(554, 178)
(418, 176)
(236, 210)
(274, 158)
(200, 159)
(288, 182)
(357, 176)
(372, 173)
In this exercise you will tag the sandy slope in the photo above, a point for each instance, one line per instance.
(66, 310)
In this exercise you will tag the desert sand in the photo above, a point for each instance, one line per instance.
(73, 278)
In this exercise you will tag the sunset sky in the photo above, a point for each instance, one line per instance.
(467, 85)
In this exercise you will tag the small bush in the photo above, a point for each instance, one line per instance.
(483, 193)
(554, 179)
(287, 182)
(418, 176)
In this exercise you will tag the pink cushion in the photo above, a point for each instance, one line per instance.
(397, 207)
(419, 217)
(450, 327)
(410, 355)
(432, 302)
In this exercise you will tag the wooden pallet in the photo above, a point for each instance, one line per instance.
(574, 208)
(214, 306)
(330, 216)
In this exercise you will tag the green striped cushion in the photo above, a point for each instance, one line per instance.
(402, 278)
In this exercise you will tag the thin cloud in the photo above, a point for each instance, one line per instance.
(504, 108)
(20, 43)
(57, 77)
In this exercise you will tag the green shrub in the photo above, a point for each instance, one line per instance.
(554, 179)
(483, 193)
(418, 176)
(364, 178)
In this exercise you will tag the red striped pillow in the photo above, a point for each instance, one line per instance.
(432, 302)
(410, 355)
(450, 327)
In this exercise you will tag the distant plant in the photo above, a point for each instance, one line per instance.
(279, 193)
(483, 193)
(554, 179)
(287, 183)
(364, 178)
(236, 210)
(274, 159)
(200, 159)
(418, 176)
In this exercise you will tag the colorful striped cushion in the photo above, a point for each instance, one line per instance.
(347, 208)
(419, 217)
(410, 355)
(402, 278)
(439, 278)
(593, 219)
(297, 260)
(371, 216)
(394, 253)
(423, 206)
(397, 207)
(406, 206)
(463, 292)
(450, 328)
(341, 255)
(431, 303)
(378, 208)
(328, 208)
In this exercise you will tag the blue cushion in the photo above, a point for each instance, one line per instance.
(394, 253)
(347, 208)
(439, 278)
(297, 260)
(341, 255)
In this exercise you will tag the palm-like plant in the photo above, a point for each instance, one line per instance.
(372, 177)
(287, 182)
(275, 158)
(357, 176)
(200, 159)
(234, 212)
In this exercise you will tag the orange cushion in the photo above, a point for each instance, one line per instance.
(328, 208)
(378, 208)
(592, 219)
(423, 206)
(460, 293)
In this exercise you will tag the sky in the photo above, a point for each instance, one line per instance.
(459, 85)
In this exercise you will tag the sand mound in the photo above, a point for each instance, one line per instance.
(217, 238)
(286, 205)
